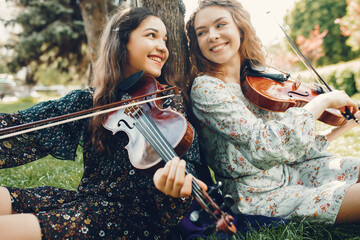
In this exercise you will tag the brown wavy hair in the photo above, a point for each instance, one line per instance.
(251, 48)
(109, 69)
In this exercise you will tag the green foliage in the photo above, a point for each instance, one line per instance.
(51, 74)
(296, 230)
(51, 32)
(350, 24)
(341, 76)
(308, 13)
(346, 81)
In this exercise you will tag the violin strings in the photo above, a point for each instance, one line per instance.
(158, 136)
(168, 152)
(150, 131)
(145, 128)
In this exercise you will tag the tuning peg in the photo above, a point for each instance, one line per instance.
(215, 188)
(229, 200)
(195, 215)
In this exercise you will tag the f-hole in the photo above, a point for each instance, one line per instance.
(126, 123)
(306, 94)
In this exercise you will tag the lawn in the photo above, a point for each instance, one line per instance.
(67, 174)
(46, 171)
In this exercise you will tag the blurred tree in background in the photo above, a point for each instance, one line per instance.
(350, 24)
(307, 14)
(59, 38)
(52, 42)
(312, 47)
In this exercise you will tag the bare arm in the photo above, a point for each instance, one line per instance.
(335, 99)
(333, 133)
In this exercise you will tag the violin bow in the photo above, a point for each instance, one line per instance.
(347, 114)
(41, 124)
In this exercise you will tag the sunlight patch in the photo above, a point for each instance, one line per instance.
(335, 164)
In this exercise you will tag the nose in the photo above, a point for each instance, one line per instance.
(213, 35)
(161, 46)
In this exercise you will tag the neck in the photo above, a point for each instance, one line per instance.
(232, 70)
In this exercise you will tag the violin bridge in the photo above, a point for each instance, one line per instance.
(133, 110)
(296, 84)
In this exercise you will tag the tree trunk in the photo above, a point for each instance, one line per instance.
(94, 14)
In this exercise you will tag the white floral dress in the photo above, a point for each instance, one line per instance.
(272, 164)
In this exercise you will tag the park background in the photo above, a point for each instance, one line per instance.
(47, 48)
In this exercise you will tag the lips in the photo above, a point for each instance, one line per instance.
(218, 47)
(156, 58)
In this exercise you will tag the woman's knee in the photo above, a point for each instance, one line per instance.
(20, 226)
(349, 211)
(5, 201)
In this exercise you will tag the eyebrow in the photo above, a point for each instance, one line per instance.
(154, 29)
(216, 20)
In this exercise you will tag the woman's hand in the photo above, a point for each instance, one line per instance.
(334, 99)
(171, 179)
(338, 99)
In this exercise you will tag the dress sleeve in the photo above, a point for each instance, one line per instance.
(270, 143)
(172, 209)
(60, 141)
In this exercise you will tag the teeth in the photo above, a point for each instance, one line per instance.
(157, 59)
(217, 48)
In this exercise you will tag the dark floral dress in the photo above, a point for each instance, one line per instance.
(114, 200)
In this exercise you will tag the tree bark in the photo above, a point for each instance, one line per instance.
(94, 14)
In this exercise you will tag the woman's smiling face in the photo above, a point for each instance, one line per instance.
(217, 34)
(147, 48)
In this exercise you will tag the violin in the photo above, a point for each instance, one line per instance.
(157, 134)
(277, 93)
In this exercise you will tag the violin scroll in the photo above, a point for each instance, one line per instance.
(224, 221)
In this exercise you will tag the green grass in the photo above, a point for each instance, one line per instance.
(45, 171)
(67, 174)
(300, 231)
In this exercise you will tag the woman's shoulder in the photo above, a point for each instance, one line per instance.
(206, 79)
(206, 82)
(77, 97)
(81, 93)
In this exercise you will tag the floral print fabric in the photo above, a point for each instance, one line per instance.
(272, 164)
(114, 200)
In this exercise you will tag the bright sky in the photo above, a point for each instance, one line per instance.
(266, 27)
(4, 14)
